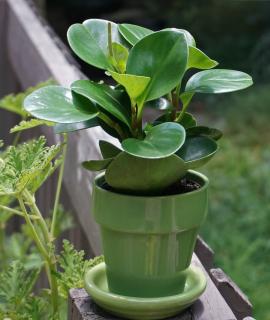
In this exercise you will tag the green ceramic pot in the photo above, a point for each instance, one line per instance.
(148, 241)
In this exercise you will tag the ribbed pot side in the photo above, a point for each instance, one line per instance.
(148, 241)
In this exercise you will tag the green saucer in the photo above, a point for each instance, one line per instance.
(143, 308)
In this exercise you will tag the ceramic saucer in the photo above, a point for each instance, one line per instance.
(143, 308)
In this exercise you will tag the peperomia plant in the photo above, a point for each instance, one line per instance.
(149, 69)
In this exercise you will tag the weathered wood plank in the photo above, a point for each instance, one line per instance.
(42, 58)
(210, 306)
(204, 253)
(237, 300)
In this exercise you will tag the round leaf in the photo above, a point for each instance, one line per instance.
(134, 85)
(198, 59)
(162, 56)
(160, 141)
(197, 151)
(218, 81)
(97, 165)
(133, 174)
(212, 133)
(104, 96)
(89, 41)
(133, 33)
(69, 127)
(189, 38)
(108, 150)
(55, 103)
(187, 120)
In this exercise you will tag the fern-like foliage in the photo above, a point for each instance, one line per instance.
(27, 166)
(14, 102)
(73, 268)
(16, 284)
(29, 124)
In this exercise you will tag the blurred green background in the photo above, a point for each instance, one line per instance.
(237, 34)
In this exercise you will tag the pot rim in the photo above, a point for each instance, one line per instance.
(193, 173)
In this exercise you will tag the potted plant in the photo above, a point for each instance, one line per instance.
(149, 202)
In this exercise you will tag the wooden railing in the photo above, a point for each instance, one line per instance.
(30, 52)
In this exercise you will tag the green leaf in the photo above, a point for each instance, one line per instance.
(108, 150)
(161, 141)
(189, 38)
(218, 81)
(134, 85)
(197, 151)
(198, 59)
(73, 267)
(29, 124)
(162, 56)
(140, 176)
(55, 103)
(16, 284)
(187, 120)
(97, 165)
(159, 104)
(25, 166)
(212, 133)
(89, 41)
(106, 97)
(14, 102)
(69, 127)
(133, 33)
(120, 55)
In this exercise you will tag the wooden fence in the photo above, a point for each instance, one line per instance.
(30, 52)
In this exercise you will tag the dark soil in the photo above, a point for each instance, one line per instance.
(184, 185)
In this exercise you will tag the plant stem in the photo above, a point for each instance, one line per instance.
(34, 234)
(16, 138)
(110, 39)
(59, 186)
(32, 204)
(48, 256)
(12, 211)
(2, 243)
(113, 125)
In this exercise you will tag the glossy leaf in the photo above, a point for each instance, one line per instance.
(134, 85)
(218, 81)
(97, 165)
(55, 103)
(212, 133)
(197, 151)
(120, 56)
(162, 56)
(108, 150)
(139, 175)
(106, 97)
(69, 127)
(159, 104)
(198, 59)
(188, 120)
(189, 38)
(160, 141)
(89, 41)
(133, 33)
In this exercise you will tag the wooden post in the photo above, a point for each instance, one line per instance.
(233, 295)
